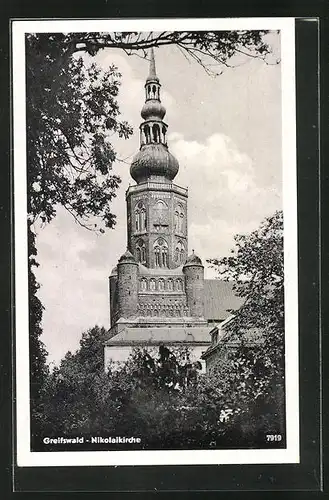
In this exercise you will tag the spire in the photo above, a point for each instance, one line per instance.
(153, 108)
(153, 160)
(152, 73)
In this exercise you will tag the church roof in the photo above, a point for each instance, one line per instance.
(127, 257)
(193, 260)
(219, 298)
(173, 335)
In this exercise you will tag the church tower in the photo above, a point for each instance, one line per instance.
(158, 294)
(155, 283)
(156, 208)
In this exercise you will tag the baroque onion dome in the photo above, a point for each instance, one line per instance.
(153, 159)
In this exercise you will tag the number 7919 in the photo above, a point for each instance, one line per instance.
(273, 437)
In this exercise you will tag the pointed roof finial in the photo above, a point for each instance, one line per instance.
(152, 74)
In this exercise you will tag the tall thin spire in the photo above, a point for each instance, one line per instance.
(154, 159)
(152, 73)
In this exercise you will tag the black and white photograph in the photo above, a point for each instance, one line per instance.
(155, 242)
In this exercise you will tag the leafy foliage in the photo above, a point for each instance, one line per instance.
(254, 339)
(140, 397)
(211, 49)
(71, 109)
(39, 370)
(159, 396)
(38, 367)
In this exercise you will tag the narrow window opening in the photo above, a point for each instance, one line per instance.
(156, 133)
(147, 134)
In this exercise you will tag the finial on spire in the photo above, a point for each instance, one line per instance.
(152, 74)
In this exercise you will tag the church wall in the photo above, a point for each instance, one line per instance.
(162, 305)
(119, 354)
(116, 355)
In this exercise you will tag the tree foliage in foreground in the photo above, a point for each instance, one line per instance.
(257, 269)
(72, 114)
(142, 397)
(159, 396)
(39, 370)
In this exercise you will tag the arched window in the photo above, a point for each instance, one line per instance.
(176, 221)
(147, 134)
(141, 251)
(179, 219)
(179, 254)
(152, 284)
(170, 285)
(140, 217)
(156, 132)
(164, 133)
(179, 285)
(161, 205)
(160, 214)
(161, 253)
(143, 284)
(161, 285)
(181, 222)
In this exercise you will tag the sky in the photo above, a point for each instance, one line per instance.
(225, 132)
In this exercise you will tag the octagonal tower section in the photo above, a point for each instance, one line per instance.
(157, 224)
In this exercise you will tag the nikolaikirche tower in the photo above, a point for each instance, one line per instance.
(157, 208)
(156, 290)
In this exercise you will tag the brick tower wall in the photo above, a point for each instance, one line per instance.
(194, 286)
(113, 286)
(127, 289)
(160, 224)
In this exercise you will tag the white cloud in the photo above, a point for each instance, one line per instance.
(222, 185)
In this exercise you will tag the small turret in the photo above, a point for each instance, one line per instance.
(113, 286)
(194, 284)
(127, 286)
